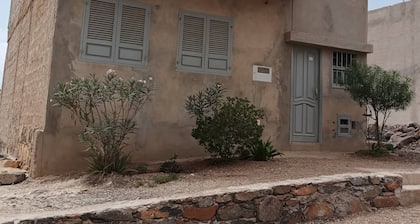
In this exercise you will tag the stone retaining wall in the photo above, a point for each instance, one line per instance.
(292, 201)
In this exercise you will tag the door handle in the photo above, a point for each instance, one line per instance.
(316, 93)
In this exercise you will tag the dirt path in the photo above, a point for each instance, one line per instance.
(58, 193)
(400, 215)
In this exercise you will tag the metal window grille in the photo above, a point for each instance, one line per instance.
(341, 61)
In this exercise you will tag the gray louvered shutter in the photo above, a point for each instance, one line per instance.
(191, 46)
(99, 29)
(133, 29)
(218, 46)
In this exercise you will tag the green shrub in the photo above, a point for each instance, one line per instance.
(141, 168)
(226, 127)
(263, 151)
(166, 178)
(380, 91)
(171, 166)
(107, 110)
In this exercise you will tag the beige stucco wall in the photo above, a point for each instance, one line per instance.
(340, 24)
(26, 76)
(164, 126)
(395, 33)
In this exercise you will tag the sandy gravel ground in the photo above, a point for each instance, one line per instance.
(58, 193)
(400, 215)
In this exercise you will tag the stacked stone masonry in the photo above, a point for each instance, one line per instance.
(283, 202)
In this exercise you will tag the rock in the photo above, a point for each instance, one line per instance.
(234, 211)
(395, 138)
(356, 206)
(154, 213)
(244, 221)
(11, 163)
(171, 210)
(372, 193)
(10, 176)
(269, 209)
(414, 125)
(359, 181)
(282, 189)
(200, 214)
(388, 135)
(305, 190)
(318, 211)
(284, 197)
(375, 180)
(248, 196)
(223, 198)
(206, 202)
(405, 141)
(393, 185)
(386, 202)
(115, 215)
(406, 129)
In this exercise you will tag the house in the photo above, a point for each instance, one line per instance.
(395, 33)
(286, 56)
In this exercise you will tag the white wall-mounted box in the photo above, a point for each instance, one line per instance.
(262, 73)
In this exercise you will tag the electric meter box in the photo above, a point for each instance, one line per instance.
(262, 73)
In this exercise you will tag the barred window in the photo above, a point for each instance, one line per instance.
(341, 61)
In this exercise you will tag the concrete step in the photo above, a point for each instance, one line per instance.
(410, 195)
(411, 178)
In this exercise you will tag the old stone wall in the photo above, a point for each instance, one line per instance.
(293, 201)
(395, 33)
(26, 76)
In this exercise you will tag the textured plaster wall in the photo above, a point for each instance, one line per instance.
(26, 76)
(342, 19)
(395, 33)
(164, 125)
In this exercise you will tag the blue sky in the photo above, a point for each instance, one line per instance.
(4, 16)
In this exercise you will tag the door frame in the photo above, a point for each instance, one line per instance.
(320, 101)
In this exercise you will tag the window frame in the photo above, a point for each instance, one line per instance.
(348, 126)
(204, 69)
(116, 34)
(340, 68)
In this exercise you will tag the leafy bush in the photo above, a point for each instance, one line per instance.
(107, 110)
(171, 166)
(376, 151)
(263, 151)
(380, 91)
(166, 178)
(226, 127)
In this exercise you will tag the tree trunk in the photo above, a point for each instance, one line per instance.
(378, 133)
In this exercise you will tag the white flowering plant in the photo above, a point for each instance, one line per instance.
(107, 109)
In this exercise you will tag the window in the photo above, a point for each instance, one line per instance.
(116, 32)
(341, 61)
(204, 44)
(344, 126)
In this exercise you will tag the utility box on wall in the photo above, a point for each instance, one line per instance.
(262, 73)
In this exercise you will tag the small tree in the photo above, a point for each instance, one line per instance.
(107, 110)
(380, 91)
(226, 127)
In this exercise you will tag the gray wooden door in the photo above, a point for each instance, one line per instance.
(305, 95)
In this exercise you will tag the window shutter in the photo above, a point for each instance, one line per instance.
(99, 30)
(218, 45)
(132, 33)
(192, 42)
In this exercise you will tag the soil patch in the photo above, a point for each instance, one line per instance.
(56, 193)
